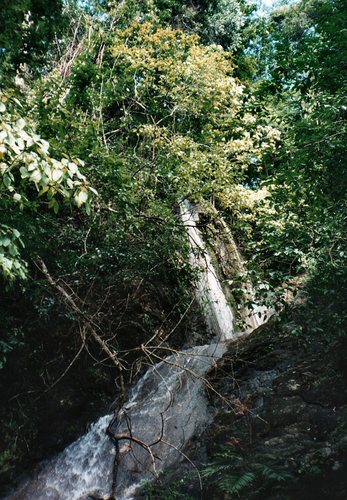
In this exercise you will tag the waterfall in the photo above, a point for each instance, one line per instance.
(165, 410)
(210, 295)
(83, 468)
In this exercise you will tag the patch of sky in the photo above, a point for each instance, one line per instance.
(265, 7)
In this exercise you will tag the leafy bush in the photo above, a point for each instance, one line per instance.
(26, 167)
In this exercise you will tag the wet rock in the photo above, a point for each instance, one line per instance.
(168, 407)
(284, 402)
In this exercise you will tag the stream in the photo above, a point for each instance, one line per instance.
(166, 408)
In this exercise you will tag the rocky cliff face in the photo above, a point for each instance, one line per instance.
(280, 426)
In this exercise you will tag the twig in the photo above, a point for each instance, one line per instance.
(89, 322)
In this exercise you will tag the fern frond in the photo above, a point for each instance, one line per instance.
(273, 473)
(213, 469)
(232, 485)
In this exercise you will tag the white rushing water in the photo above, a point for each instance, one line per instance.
(82, 468)
(217, 311)
(167, 407)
